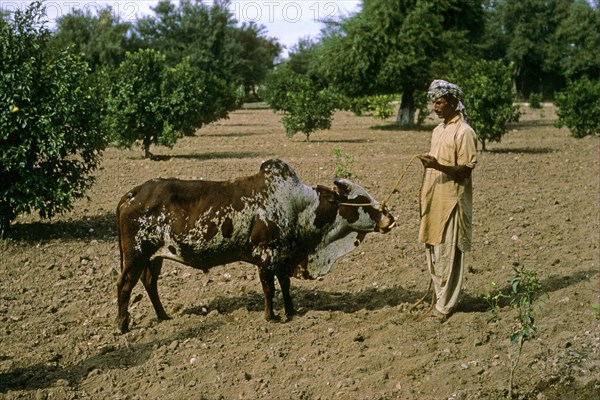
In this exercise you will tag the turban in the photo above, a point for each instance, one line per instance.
(440, 88)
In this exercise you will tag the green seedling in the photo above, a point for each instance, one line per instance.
(343, 164)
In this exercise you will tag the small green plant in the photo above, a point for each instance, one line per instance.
(306, 106)
(343, 164)
(493, 301)
(535, 101)
(525, 290)
(381, 106)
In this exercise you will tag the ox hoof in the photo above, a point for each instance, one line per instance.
(287, 318)
(123, 325)
(273, 318)
(290, 313)
(164, 318)
(122, 329)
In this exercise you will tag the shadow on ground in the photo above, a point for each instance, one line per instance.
(209, 156)
(44, 375)
(371, 298)
(95, 227)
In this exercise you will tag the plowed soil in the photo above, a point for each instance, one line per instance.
(535, 203)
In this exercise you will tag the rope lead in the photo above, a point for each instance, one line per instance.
(384, 202)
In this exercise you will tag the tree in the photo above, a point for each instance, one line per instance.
(50, 141)
(152, 103)
(488, 98)
(102, 39)
(398, 47)
(548, 41)
(256, 56)
(206, 35)
(578, 107)
(306, 107)
(573, 48)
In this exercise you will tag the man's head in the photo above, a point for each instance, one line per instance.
(445, 107)
(447, 99)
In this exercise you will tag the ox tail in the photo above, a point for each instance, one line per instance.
(118, 213)
(128, 196)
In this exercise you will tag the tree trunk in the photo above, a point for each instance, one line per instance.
(147, 153)
(4, 226)
(406, 112)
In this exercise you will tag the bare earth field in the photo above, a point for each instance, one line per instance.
(535, 202)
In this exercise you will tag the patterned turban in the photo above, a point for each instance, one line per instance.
(440, 88)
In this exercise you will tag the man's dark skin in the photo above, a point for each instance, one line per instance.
(445, 107)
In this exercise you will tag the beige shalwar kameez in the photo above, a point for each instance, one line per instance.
(446, 211)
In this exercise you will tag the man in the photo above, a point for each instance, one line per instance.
(446, 196)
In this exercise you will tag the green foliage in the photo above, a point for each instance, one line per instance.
(535, 101)
(525, 289)
(256, 57)
(50, 142)
(578, 107)
(343, 164)
(237, 57)
(488, 98)
(277, 85)
(136, 106)
(154, 104)
(494, 301)
(306, 107)
(358, 105)
(545, 41)
(102, 39)
(573, 48)
(396, 48)
(380, 106)
(191, 97)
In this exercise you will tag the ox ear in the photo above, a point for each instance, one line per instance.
(342, 185)
(327, 193)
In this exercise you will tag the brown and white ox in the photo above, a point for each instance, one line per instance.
(272, 220)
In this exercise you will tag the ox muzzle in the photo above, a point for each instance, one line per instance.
(386, 223)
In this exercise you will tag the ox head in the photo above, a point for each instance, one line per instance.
(360, 209)
(358, 213)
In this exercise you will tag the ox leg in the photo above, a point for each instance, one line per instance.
(129, 276)
(150, 281)
(267, 281)
(284, 283)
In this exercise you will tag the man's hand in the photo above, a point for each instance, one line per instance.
(459, 172)
(429, 161)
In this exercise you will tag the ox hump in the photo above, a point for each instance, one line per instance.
(276, 168)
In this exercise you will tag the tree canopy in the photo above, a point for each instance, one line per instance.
(398, 46)
(210, 37)
(101, 39)
(50, 121)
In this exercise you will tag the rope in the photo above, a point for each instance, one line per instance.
(382, 204)
(381, 207)
(423, 298)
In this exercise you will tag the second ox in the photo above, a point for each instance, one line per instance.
(271, 219)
